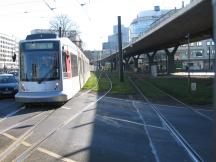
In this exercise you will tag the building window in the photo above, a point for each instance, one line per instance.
(199, 43)
(208, 43)
(192, 44)
(199, 54)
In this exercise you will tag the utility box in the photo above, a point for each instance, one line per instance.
(193, 87)
(154, 70)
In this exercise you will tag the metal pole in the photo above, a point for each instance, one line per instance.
(214, 67)
(189, 79)
(97, 62)
(209, 57)
(60, 32)
(121, 75)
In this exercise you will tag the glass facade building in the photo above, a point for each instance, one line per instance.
(143, 21)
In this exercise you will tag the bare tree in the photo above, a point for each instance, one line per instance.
(66, 24)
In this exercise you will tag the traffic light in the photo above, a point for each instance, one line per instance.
(14, 57)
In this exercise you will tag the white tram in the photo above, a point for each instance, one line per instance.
(52, 69)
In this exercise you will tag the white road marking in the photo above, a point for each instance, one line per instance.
(118, 99)
(64, 107)
(15, 125)
(178, 137)
(154, 151)
(31, 149)
(132, 122)
(180, 107)
(12, 113)
(187, 106)
(40, 149)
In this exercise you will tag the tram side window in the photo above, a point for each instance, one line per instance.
(64, 66)
(74, 65)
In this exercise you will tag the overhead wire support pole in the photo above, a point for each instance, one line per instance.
(121, 75)
(188, 66)
(214, 67)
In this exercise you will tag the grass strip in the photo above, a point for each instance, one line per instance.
(118, 88)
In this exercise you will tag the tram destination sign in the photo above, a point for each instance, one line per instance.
(48, 45)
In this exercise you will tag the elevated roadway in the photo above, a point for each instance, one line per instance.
(195, 19)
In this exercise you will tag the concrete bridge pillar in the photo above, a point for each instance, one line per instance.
(114, 62)
(136, 58)
(111, 65)
(170, 61)
(151, 59)
(126, 59)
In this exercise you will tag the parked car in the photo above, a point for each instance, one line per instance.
(8, 85)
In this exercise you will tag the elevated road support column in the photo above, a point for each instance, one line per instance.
(151, 59)
(111, 65)
(114, 62)
(136, 58)
(126, 59)
(171, 63)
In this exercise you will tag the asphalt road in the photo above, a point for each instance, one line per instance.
(93, 129)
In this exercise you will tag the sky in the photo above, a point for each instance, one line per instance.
(95, 18)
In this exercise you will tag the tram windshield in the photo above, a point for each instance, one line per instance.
(39, 63)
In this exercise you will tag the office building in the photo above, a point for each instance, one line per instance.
(112, 45)
(8, 47)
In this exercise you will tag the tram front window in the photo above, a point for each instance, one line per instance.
(39, 66)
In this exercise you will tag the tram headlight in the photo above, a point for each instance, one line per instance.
(22, 87)
(57, 86)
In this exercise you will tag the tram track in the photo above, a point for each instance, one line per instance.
(34, 146)
(20, 122)
(182, 103)
(31, 149)
(12, 113)
(23, 137)
(194, 156)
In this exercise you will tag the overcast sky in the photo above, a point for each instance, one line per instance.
(95, 19)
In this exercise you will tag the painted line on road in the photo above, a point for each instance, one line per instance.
(12, 113)
(31, 149)
(180, 107)
(163, 105)
(64, 107)
(132, 122)
(176, 135)
(154, 151)
(22, 138)
(19, 123)
(40, 149)
(118, 99)
(177, 100)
